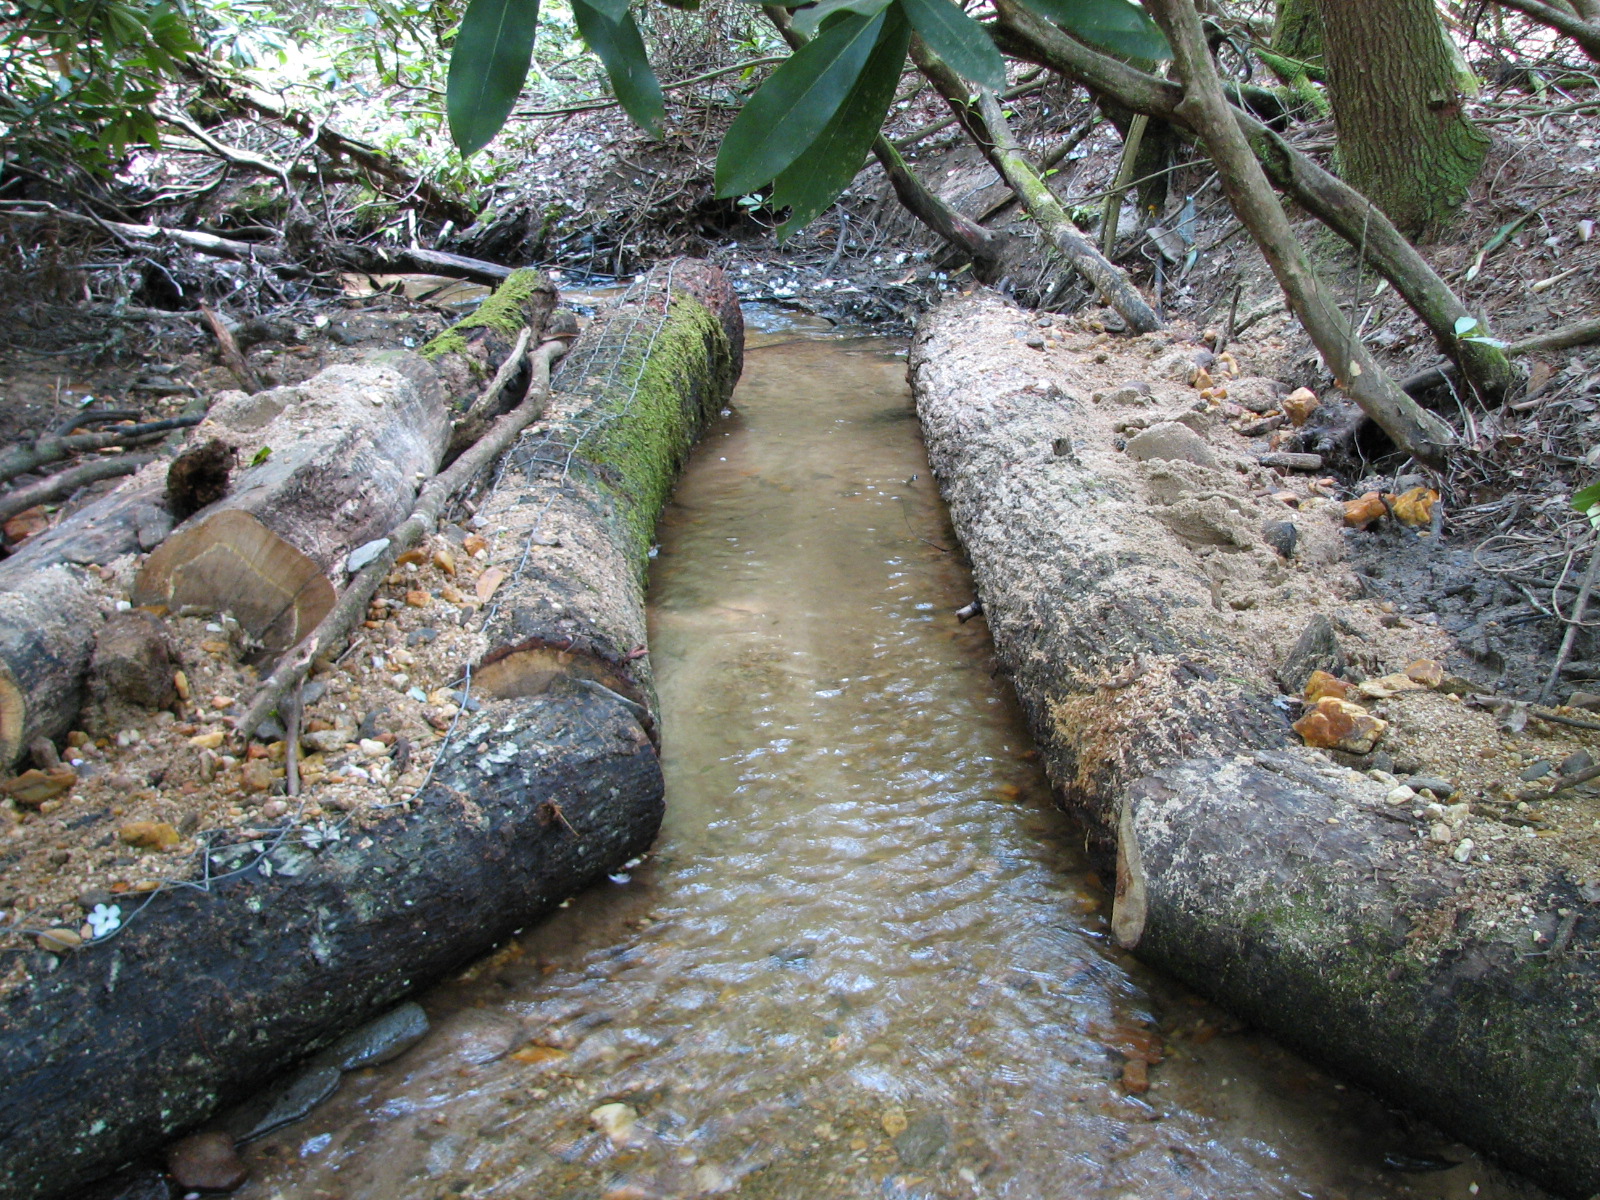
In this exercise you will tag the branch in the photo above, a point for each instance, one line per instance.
(592, 105)
(1332, 201)
(1205, 109)
(1578, 333)
(35, 454)
(64, 483)
(348, 610)
(1030, 82)
(1586, 34)
(229, 154)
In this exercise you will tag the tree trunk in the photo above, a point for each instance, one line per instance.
(1404, 139)
(1253, 868)
(209, 992)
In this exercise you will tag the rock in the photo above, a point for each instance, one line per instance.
(149, 835)
(1257, 394)
(1299, 404)
(209, 741)
(373, 748)
(133, 661)
(287, 1102)
(1585, 700)
(364, 554)
(1403, 794)
(1386, 687)
(1181, 364)
(1171, 441)
(1536, 770)
(325, 741)
(1134, 393)
(1339, 725)
(616, 1121)
(1322, 684)
(417, 598)
(1282, 536)
(206, 1162)
(923, 1140)
(421, 637)
(1436, 784)
(256, 776)
(1426, 672)
(1033, 342)
(44, 754)
(1578, 760)
(379, 1040)
(33, 787)
(1317, 650)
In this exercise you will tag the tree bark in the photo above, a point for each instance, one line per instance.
(1404, 139)
(273, 966)
(1255, 869)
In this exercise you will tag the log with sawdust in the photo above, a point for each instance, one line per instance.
(1253, 868)
(325, 466)
(207, 994)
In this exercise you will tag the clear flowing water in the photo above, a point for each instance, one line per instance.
(864, 959)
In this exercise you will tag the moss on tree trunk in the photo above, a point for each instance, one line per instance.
(1404, 139)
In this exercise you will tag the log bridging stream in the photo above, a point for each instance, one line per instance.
(865, 958)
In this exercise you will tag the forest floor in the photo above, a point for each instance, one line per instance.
(1487, 590)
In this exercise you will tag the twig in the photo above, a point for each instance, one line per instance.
(513, 363)
(32, 455)
(232, 356)
(84, 420)
(347, 611)
(1558, 719)
(1549, 690)
(592, 105)
(1567, 781)
(291, 738)
(64, 483)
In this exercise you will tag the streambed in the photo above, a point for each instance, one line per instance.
(864, 958)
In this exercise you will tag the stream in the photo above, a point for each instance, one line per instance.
(865, 958)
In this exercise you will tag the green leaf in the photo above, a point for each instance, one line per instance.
(1465, 325)
(487, 68)
(809, 18)
(1113, 25)
(794, 105)
(815, 179)
(955, 37)
(621, 48)
(1584, 499)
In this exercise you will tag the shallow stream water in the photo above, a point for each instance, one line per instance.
(865, 958)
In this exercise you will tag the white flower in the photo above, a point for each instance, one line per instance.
(105, 918)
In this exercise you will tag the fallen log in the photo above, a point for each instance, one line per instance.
(135, 1038)
(335, 462)
(1248, 865)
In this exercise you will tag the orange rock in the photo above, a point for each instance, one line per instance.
(1201, 379)
(1335, 724)
(415, 555)
(418, 599)
(1323, 684)
(32, 788)
(1426, 672)
(473, 543)
(1416, 506)
(1136, 1076)
(149, 835)
(1299, 404)
(445, 561)
(1358, 514)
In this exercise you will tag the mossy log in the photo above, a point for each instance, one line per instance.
(341, 458)
(206, 993)
(1254, 869)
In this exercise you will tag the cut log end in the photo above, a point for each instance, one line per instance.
(231, 562)
(532, 667)
(13, 718)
